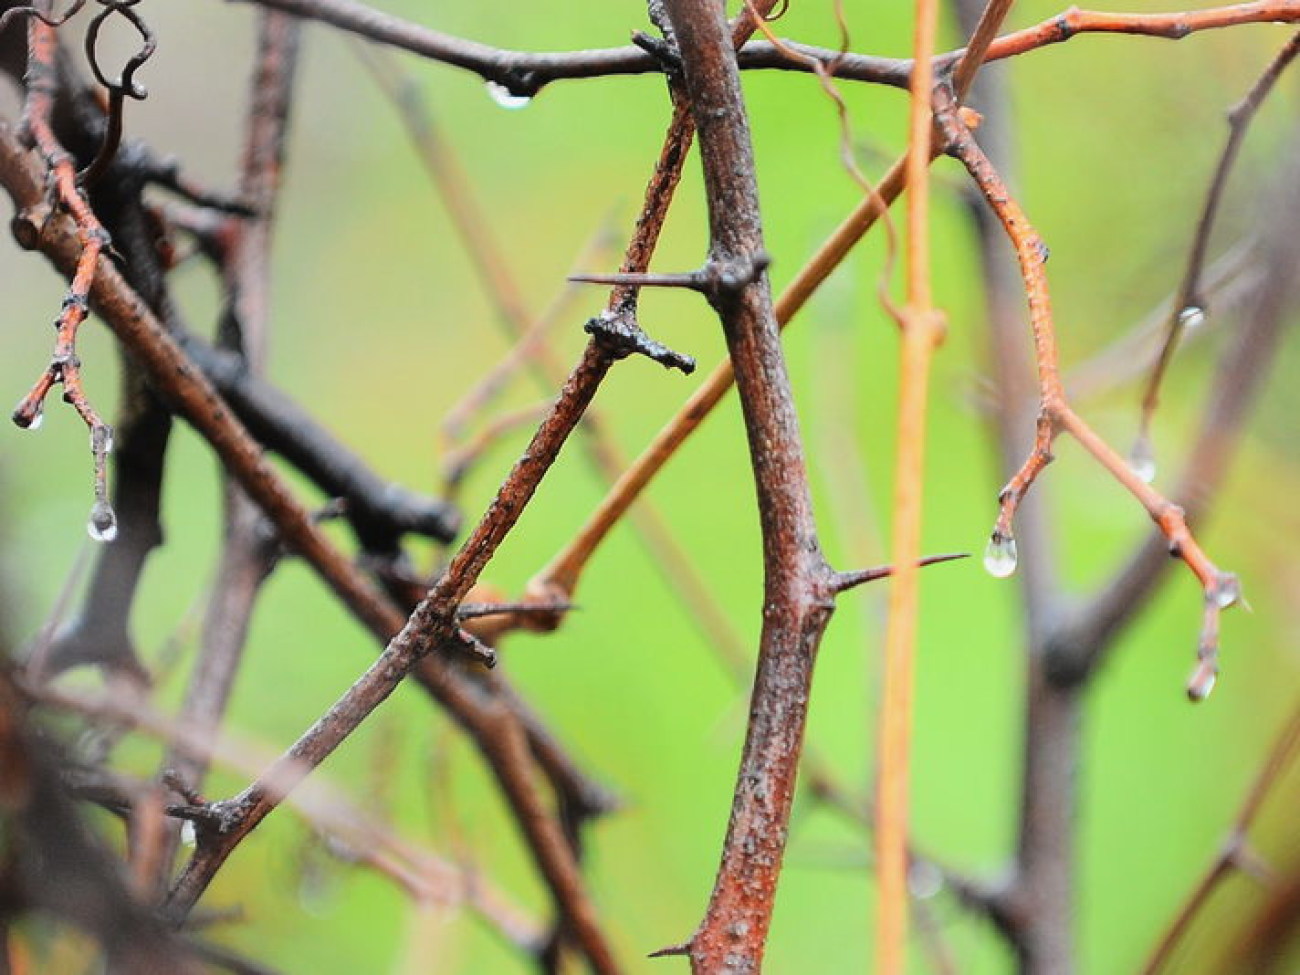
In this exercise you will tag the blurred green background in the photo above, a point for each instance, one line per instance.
(380, 326)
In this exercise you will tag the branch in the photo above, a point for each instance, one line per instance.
(177, 379)
(1221, 590)
(1235, 853)
(797, 582)
(1189, 307)
(521, 74)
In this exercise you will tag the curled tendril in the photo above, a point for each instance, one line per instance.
(50, 19)
(125, 86)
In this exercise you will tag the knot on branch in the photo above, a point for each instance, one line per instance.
(723, 278)
(28, 225)
(619, 336)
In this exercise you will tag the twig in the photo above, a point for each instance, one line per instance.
(488, 721)
(1189, 307)
(65, 366)
(922, 330)
(249, 549)
(523, 74)
(1221, 589)
(380, 511)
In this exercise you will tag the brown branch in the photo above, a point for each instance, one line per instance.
(1221, 589)
(139, 330)
(523, 74)
(798, 583)
(1078, 645)
(65, 367)
(249, 551)
(922, 330)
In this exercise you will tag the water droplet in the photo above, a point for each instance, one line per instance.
(924, 880)
(504, 97)
(1191, 318)
(1000, 556)
(1227, 590)
(101, 438)
(1202, 682)
(1142, 460)
(102, 526)
(188, 834)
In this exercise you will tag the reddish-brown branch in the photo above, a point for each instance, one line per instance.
(1221, 589)
(65, 366)
(797, 582)
(195, 399)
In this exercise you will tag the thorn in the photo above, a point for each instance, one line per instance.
(681, 949)
(850, 580)
(472, 611)
(472, 646)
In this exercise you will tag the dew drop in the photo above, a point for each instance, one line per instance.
(504, 97)
(1191, 318)
(102, 526)
(1000, 556)
(1227, 590)
(188, 834)
(1142, 461)
(1202, 683)
(101, 438)
(924, 880)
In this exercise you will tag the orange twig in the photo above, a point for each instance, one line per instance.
(922, 330)
(65, 366)
(1221, 589)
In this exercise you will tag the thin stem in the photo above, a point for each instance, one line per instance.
(922, 329)
(1189, 307)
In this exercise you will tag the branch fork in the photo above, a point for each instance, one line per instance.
(618, 336)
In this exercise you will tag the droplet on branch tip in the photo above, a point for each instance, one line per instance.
(1191, 318)
(1000, 557)
(1227, 590)
(102, 526)
(1142, 460)
(1202, 682)
(504, 97)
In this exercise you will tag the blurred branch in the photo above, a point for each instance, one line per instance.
(1190, 304)
(249, 548)
(491, 723)
(1235, 854)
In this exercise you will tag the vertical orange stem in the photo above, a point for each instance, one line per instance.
(921, 331)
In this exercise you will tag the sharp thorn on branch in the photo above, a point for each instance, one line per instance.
(845, 581)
